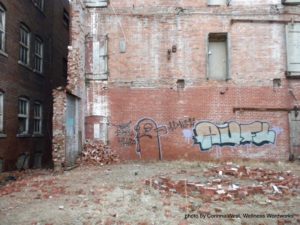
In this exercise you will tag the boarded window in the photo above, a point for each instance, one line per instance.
(217, 2)
(97, 57)
(217, 56)
(294, 120)
(293, 49)
(95, 3)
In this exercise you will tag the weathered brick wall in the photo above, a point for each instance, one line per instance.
(59, 127)
(149, 117)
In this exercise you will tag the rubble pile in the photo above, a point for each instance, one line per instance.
(95, 152)
(232, 182)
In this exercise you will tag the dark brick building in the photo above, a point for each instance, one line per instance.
(33, 60)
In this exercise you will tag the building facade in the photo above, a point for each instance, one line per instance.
(33, 60)
(185, 79)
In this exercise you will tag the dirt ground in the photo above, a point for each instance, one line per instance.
(132, 194)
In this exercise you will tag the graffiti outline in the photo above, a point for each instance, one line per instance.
(147, 127)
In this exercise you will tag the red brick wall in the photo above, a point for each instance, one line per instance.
(142, 81)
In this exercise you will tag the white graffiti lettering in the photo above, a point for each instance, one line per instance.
(208, 134)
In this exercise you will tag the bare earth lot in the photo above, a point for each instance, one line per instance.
(155, 193)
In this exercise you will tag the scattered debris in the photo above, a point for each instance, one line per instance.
(95, 152)
(281, 184)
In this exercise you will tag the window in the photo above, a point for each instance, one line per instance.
(37, 118)
(99, 57)
(38, 55)
(290, 2)
(217, 56)
(95, 3)
(217, 2)
(39, 4)
(293, 49)
(1, 112)
(66, 18)
(24, 45)
(23, 116)
(2, 28)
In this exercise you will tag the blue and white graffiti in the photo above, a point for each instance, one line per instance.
(208, 134)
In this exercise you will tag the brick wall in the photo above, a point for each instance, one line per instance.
(18, 80)
(150, 117)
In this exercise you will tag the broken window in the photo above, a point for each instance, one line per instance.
(97, 57)
(23, 116)
(1, 112)
(24, 44)
(95, 3)
(38, 55)
(217, 2)
(37, 118)
(2, 28)
(217, 56)
(293, 49)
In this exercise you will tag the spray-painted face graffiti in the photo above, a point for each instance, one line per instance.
(147, 130)
(208, 134)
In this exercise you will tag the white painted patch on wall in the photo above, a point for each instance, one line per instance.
(100, 106)
(97, 131)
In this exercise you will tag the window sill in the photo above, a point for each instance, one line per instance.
(3, 53)
(3, 135)
(37, 135)
(292, 75)
(23, 135)
(25, 65)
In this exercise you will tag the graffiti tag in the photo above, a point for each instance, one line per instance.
(147, 129)
(124, 134)
(208, 134)
(182, 123)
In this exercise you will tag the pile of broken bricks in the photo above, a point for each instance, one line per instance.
(223, 184)
(95, 152)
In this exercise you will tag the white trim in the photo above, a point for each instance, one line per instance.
(24, 114)
(2, 29)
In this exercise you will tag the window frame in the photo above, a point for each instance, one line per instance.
(23, 116)
(38, 55)
(38, 118)
(211, 37)
(3, 28)
(26, 46)
(40, 4)
(1, 112)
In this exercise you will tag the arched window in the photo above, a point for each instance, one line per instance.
(2, 27)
